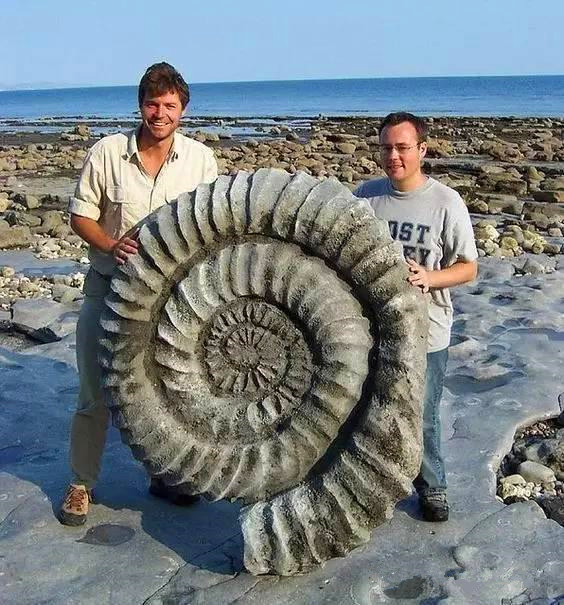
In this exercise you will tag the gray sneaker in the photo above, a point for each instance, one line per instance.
(434, 505)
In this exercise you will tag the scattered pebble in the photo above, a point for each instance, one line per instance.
(541, 479)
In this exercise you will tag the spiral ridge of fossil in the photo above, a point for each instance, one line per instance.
(264, 345)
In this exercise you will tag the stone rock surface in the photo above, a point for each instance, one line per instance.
(536, 473)
(241, 361)
(482, 560)
(44, 320)
(15, 237)
(511, 555)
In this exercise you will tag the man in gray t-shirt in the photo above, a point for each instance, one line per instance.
(432, 222)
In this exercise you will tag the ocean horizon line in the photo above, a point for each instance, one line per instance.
(533, 95)
(281, 81)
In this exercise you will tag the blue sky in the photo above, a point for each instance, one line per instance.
(57, 43)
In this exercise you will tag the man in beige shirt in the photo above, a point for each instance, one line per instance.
(125, 177)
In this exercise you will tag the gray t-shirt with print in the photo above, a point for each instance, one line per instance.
(434, 227)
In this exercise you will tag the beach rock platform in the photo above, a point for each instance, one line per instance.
(504, 371)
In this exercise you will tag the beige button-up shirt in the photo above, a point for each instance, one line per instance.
(115, 190)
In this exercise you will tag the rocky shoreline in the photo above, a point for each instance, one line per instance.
(509, 171)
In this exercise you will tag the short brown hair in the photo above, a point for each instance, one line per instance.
(161, 78)
(399, 117)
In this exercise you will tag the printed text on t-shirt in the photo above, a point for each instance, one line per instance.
(413, 238)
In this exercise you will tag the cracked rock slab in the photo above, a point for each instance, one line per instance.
(527, 545)
(43, 319)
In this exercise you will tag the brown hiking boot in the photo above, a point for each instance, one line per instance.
(75, 506)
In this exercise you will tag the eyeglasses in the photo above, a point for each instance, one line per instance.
(401, 149)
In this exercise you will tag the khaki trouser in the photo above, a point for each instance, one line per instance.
(90, 421)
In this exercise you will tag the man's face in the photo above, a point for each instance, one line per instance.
(161, 115)
(401, 153)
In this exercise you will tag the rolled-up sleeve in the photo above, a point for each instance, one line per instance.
(89, 189)
(210, 167)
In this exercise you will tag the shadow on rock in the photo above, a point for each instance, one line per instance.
(38, 395)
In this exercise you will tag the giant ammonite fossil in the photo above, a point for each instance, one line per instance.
(264, 345)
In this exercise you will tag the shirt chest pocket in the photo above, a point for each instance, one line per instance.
(116, 194)
(115, 216)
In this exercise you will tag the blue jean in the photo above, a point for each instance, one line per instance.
(432, 473)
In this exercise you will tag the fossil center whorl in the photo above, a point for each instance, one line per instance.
(253, 348)
(234, 347)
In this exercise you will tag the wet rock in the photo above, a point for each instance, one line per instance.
(478, 206)
(6, 165)
(511, 492)
(347, 148)
(533, 174)
(507, 203)
(549, 196)
(553, 508)
(510, 243)
(30, 201)
(514, 231)
(487, 237)
(205, 137)
(535, 472)
(65, 294)
(513, 480)
(514, 186)
(44, 320)
(553, 248)
(554, 184)
(108, 534)
(4, 202)
(340, 137)
(439, 148)
(22, 218)
(501, 150)
(7, 271)
(500, 252)
(64, 231)
(26, 164)
(533, 242)
(553, 212)
(551, 454)
(49, 221)
(15, 237)
(82, 130)
(533, 267)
